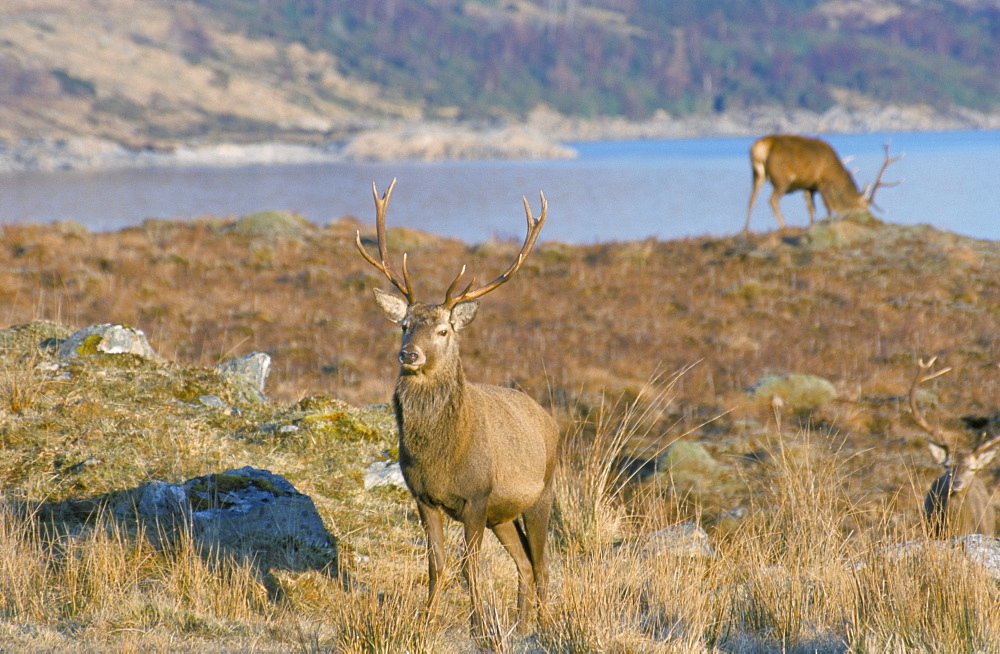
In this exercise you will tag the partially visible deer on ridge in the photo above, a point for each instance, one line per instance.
(957, 502)
(797, 163)
(483, 455)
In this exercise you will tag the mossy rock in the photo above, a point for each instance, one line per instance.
(688, 467)
(795, 390)
(688, 457)
(271, 224)
(835, 233)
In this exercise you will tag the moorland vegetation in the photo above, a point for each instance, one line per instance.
(633, 347)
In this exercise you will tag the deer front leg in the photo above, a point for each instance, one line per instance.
(811, 205)
(433, 521)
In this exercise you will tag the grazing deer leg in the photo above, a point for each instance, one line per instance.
(433, 521)
(775, 197)
(758, 181)
(509, 537)
(811, 205)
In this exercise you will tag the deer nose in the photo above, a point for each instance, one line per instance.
(411, 358)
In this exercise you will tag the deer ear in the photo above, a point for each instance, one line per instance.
(939, 452)
(393, 306)
(987, 456)
(463, 313)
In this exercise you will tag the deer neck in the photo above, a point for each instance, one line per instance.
(431, 409)
(841, 194)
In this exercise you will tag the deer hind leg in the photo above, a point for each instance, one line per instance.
(758, 181)
(474, 522)
(533, 534)
(775, 197)
(509, 536)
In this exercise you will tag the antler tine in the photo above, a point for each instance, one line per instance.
(918, 379)
(988, 444)
(534, 228)
(448, 300)
(878, 178)
(401, 283)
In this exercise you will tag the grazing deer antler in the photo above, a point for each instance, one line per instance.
(534, 227)
(878, 178)
(920, 378)
(402, 283)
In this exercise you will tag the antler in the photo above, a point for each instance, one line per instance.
(878, 179)
(987, 444)
(920, 378)
(534, 227)
(402, 283)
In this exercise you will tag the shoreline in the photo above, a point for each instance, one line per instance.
(544, 135)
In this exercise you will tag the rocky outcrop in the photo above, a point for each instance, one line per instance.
(107, 338)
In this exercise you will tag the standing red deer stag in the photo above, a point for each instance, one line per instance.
(796, 163)
(483, 455)
(957, 502)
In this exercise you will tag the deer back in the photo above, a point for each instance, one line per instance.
(799, 163)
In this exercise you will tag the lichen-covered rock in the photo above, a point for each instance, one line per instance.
(107, 338)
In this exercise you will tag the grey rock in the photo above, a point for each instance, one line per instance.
(384, 473)
(686, 540)
(245, 512)
(254, 367)
(107, 338)
(215, 402)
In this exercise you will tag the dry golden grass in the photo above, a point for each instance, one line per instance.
(632, 346)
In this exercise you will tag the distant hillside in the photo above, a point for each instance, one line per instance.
(148, 74)
(634, 57)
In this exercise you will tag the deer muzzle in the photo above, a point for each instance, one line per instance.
(411, 358)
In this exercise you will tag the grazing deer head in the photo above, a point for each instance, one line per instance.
(957, 502)
(483, 455)
(796, 163)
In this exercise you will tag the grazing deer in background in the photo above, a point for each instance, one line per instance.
(483, 455)
(957, 502)
(796, 163)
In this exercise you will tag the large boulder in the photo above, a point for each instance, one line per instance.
(247, 513)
